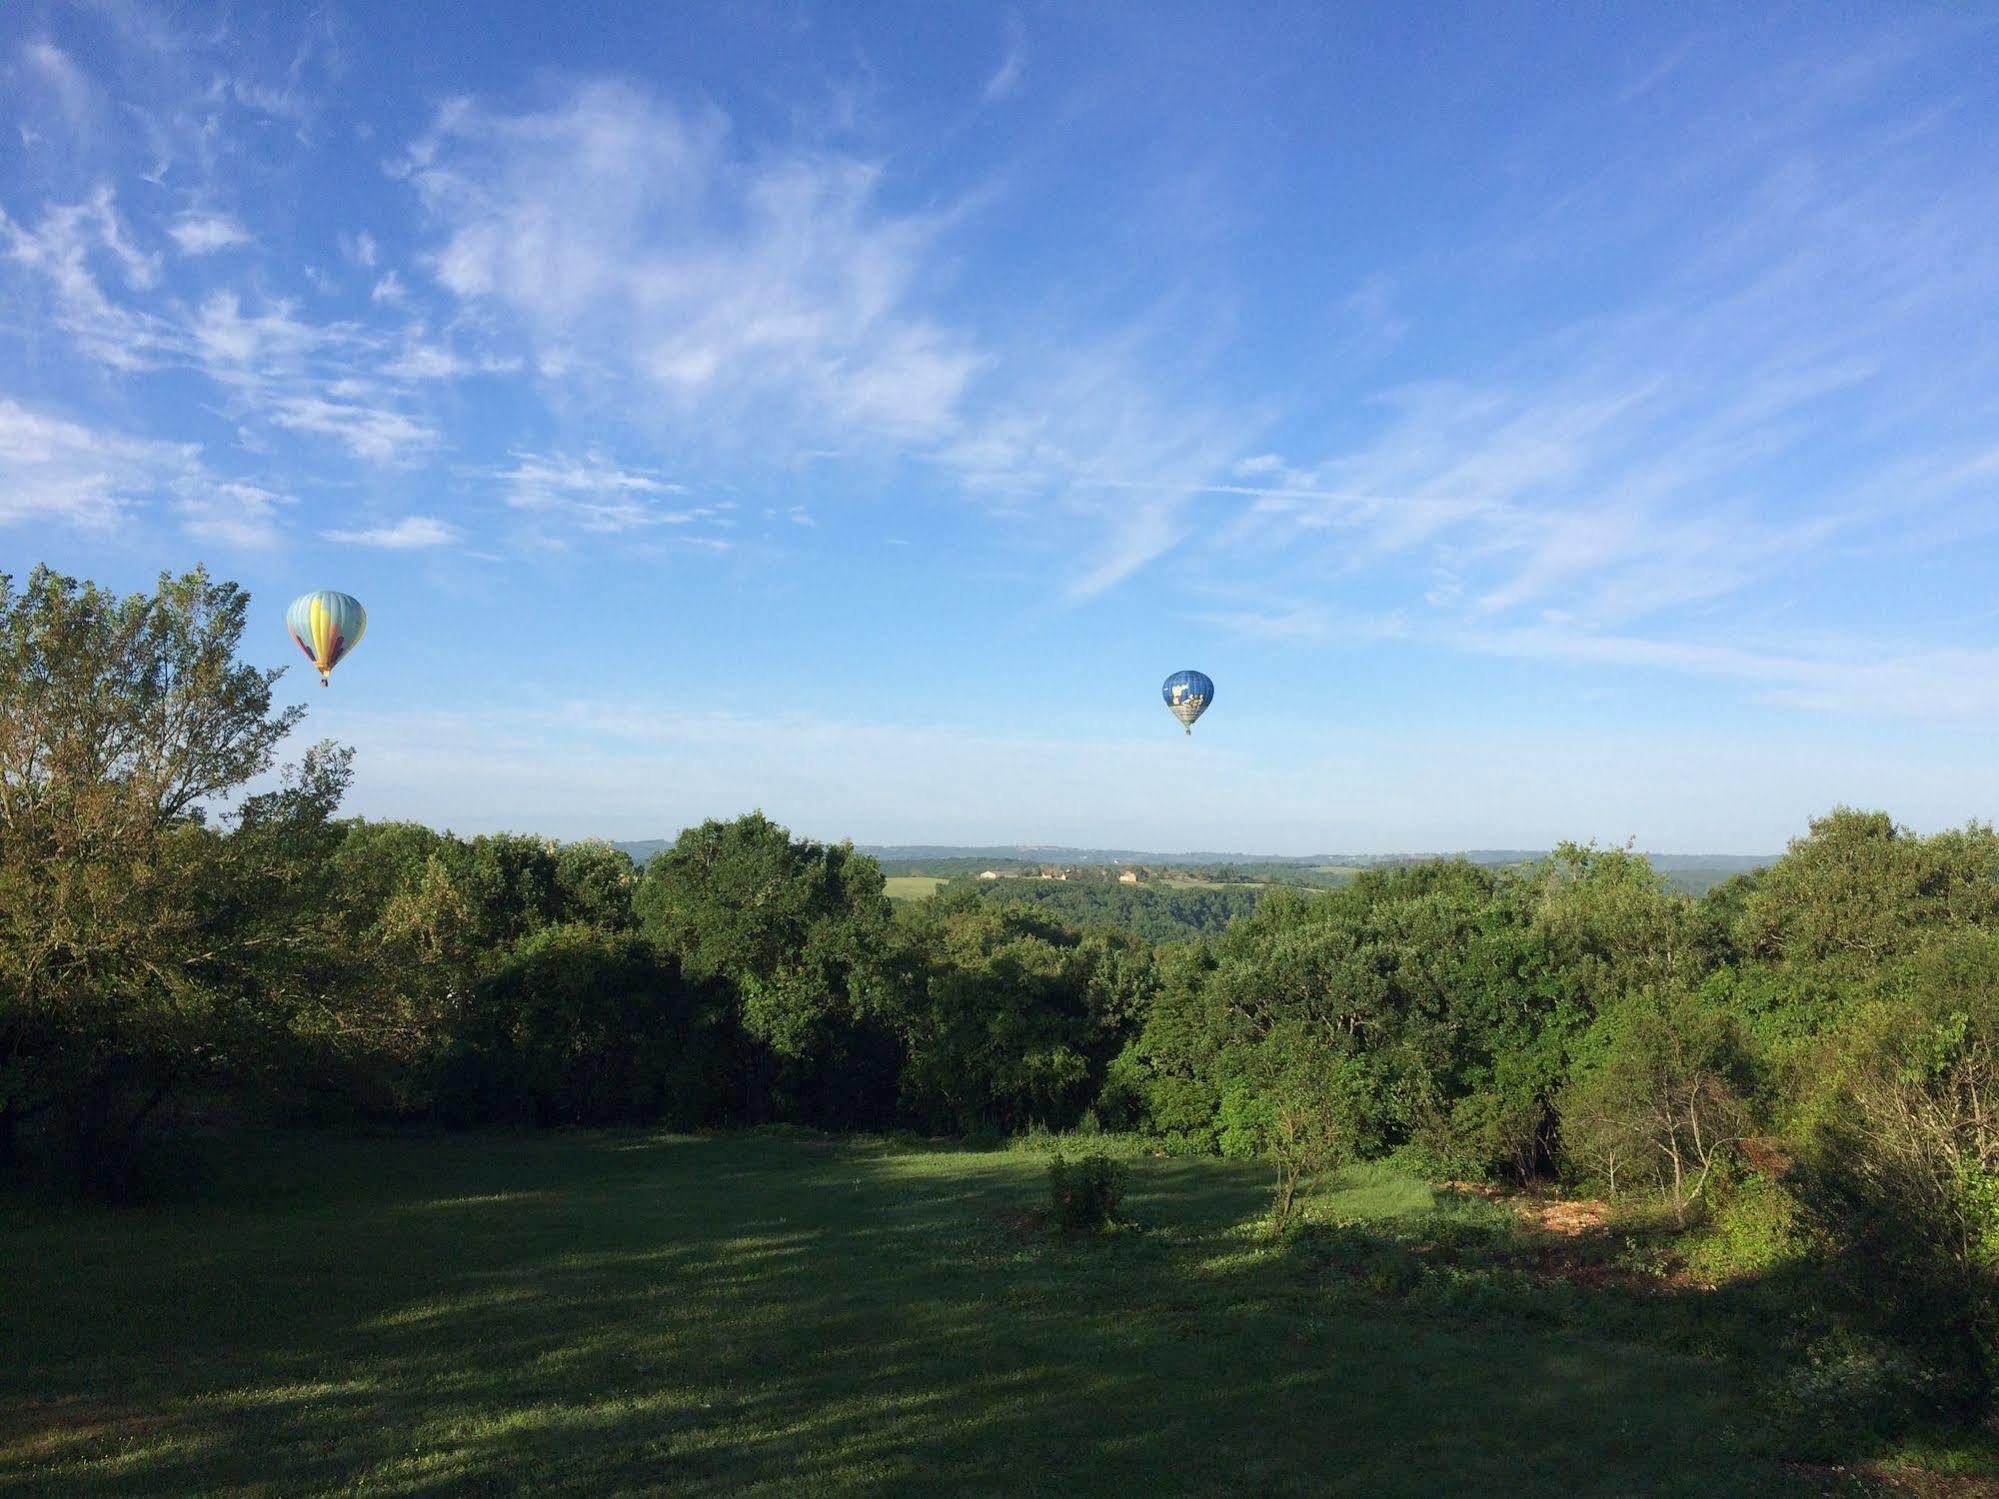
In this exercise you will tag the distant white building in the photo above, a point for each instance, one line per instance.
(1129, 877)
(989, 874)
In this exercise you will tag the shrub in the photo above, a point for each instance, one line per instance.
(1663, 1098)
(1392, 1270)
(1901, 1185)
(1850, 1389)
(1753, 1230)
(1083, 1195)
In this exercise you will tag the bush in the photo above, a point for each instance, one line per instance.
(1391, 1270)
(1083, 1195)
(1849, 1390)
(1753, 1230)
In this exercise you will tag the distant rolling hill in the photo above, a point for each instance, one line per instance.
(1693, 873)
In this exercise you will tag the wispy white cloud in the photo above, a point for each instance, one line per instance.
(410, 533)
(376, 433)
(420, 360)
(595, 494)
(1098, 448)
(244, 516)
(206, 233)
(1614, 504)
(1013, 63)
(716, 280)
(233, 345)
(60, 74)
(1307, 624)
(61, 249)
(53, 468)
(297, 374)
(1861, 678)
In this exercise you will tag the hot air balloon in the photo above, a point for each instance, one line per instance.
(326, 625)
(1188, 694)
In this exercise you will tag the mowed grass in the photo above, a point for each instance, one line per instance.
(911, 886)
(593, 1314)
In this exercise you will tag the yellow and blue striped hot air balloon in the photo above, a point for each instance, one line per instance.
(326, 625)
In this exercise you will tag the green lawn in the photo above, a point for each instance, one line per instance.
(586, 1314)
(911, 886)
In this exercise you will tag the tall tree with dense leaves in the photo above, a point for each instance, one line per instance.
(801, 931)
(1016, 1016)
(128, 928)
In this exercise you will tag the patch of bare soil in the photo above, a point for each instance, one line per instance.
(1569, 1239)
(1561, 1217)
(1564, 1218)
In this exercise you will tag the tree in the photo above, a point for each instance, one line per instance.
(801, 932)
(1859, 891)
(1662, 1095)
(128, 927)
(1901, 1164)
(594, 883)
(1305, 1110)
(582, 1025)
(1014, 1016)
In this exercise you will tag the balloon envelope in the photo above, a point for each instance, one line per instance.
(1188, 694)
(326, 625)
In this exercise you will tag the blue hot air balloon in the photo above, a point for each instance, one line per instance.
(1188, 694)
(326, 626)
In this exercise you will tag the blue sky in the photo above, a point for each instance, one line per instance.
(1541, 422)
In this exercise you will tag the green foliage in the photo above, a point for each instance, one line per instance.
(1752, 1231)
(1016, 1018)
(1434, 973)
(1084, 1194)
(1157, 913)
(141, 949)
(1661, 1096)
(595, 883)
(1900, 1167)
(1858, 883)
(802, 934)
(586, 1026)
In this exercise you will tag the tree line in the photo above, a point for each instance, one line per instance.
(1158, 913)
(1806, 1058)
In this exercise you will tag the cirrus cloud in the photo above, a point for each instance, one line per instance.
(411, 533)
(713, 277)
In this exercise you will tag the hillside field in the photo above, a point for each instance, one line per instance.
(613, 1313)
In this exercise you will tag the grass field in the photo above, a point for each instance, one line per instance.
(911, 886)
(587, 1314)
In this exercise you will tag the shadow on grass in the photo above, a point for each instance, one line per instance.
(598, 1314)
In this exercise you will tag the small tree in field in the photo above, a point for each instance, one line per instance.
(135, 940)
(1307, 1104)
